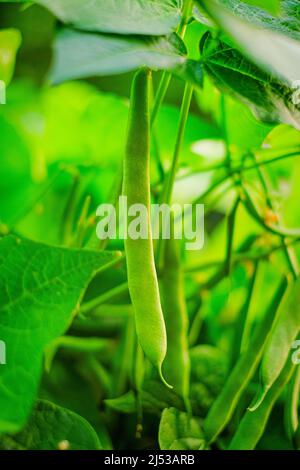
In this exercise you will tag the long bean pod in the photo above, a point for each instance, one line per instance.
(176, 366)
(284, 333)
(291, 405)
(253, 423)
(141, 271)
(224, 406)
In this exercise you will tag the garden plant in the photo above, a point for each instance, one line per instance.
(147, 343)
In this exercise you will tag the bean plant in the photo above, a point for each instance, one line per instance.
(143, 343)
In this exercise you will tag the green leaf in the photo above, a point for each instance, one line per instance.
(209, 368)
(52, 427)
(155, 397)
(179, 431)
(272, 6)
(80, 55)
(10, 41)
(155, 17)
(254, 131)
(124, 404)
(287, 22)
(40, 288)
(274, 51)
(270, 100)
(66, 386)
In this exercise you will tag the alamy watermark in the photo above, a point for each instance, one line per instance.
(2, 92)
(181, 221)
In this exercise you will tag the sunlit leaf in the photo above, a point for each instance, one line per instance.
(156, 17)
(40, 288)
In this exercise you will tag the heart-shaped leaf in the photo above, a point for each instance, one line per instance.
(271, 100)
(40, 290)
(155, 17)
(271, 47)
(80, 55)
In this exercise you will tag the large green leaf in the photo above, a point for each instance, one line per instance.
(52, 427)
(270, 46)
(286, 23)
(79, 55)
(270, 5)
(224, 113)
(231, 71)
(10, 40)
(155, 17)
(40, 290)
(64, 386)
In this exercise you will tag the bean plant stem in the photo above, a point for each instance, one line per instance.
(230, 236)
(238, 169)
(160, 95)
(288, 251)
(104, 298)
(186, 102)
(167, 76)
(69, 212)
(170, 179)
(113, 199)
(241, 257)
(242, 168)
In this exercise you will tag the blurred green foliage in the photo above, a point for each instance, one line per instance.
(62, 145)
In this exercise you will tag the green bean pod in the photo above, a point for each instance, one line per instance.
(291, 405)
(141, 271)
(224, 406)
(297, 438)
(253, 423)
(285, 332)
(176, 366)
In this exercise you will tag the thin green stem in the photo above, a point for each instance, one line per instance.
(238, 170)
(225, 131)
(99, 373)
(243, 326)
(275, 230)
(113, 199)
(186, 102)
(167, 76)
(160, 95)
(196, 325)
(122, 369)
(170, 179)
(241, 258)
(241, 168)
(186, 13)
(69, 212)
(230, 236)
(104, 298)
(83, 222)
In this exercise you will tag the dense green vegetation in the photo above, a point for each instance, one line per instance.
(146, 344)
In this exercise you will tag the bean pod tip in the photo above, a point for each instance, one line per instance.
(163, 379)
(258, 399)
